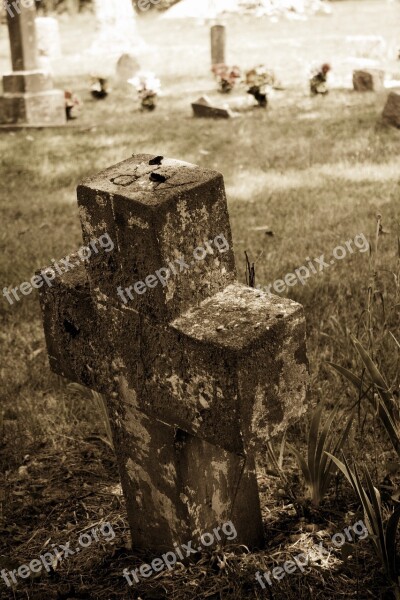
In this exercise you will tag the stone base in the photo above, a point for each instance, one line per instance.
(391, 112)
(22, 82)
(371, 80)
(45, 108)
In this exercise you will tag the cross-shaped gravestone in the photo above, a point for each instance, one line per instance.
(197, 369)
(29, 98)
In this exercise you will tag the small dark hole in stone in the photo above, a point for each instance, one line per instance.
(71, 329)
(280, 316)
(156, 160)
(180, 436)
(157, 177)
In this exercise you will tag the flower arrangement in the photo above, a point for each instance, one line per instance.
(259, 81)
(99, 88)
(318, 80)
(148, 87)
(72, 105)
(226, 77)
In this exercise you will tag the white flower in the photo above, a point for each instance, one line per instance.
(145, 81)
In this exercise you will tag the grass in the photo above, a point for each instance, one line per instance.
(314, 171)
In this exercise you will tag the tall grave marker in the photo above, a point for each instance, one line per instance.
(218, 45)
(29, 97)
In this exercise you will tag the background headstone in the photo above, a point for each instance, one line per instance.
(29, 97)
(218, 45)
(368, 80)
(204, 108)
(127, 67)
(391, 112)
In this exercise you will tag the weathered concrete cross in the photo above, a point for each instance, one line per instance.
(29, 98)
(198, 372)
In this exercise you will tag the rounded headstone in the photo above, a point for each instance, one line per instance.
(127, 67)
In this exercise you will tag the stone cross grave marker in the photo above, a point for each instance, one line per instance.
(198, 371)
(29, 98)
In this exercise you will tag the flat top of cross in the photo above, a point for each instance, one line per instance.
(149, 179)
(236, 317)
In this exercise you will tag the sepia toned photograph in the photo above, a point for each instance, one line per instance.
(200, 299)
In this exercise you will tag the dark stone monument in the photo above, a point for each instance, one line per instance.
(368, 80)
(218, 44)
(391, 112)
(204, 109)
(198, 371)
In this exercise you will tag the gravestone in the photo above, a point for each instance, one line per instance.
(203, 108)
(198, 372)
(368, 80)
(29, 97)
(116, 35)
(391, 112)
(218, 43)
(127, 67)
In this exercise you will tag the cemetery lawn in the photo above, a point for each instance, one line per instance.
(302, 178)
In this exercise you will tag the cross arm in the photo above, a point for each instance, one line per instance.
(231, 371)
(71, 329)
